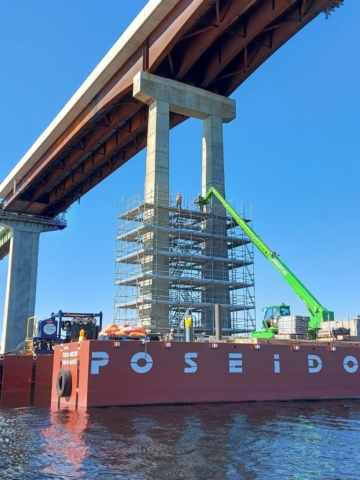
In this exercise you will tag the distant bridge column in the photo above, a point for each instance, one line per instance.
(20, 296)
(213, 109)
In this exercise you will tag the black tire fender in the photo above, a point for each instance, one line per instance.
(64, 383)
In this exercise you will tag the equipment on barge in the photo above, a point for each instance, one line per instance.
(318, 313)
(62, 327)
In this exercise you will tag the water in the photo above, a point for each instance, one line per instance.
(220, 441)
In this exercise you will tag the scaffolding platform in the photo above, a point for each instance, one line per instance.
(172, 262)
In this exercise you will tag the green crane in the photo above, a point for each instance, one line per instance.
(318, 313)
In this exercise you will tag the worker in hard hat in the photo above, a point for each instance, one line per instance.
(199, 201)
(178, 200)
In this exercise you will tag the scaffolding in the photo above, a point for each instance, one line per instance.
(178, 267)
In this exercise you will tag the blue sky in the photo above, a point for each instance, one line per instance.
(292, 153)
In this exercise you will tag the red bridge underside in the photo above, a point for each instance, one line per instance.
(215, 45)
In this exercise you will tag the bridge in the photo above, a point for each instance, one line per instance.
(214, 46)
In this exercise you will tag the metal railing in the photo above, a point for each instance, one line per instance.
(59, 221)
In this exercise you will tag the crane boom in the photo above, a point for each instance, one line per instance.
(318, 313)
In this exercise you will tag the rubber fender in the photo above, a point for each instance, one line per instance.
(64, 383)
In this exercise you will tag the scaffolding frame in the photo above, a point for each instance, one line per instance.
(182, 275)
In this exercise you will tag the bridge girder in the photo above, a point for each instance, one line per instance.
(214, 45)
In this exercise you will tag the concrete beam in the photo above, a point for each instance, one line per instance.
(183, 99)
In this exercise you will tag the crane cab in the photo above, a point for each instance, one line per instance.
(271, 321)
(272, 315)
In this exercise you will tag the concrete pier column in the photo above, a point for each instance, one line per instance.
(157, 193)
(164, 95)
(157, 154)
(23, 249)
(21, 287)
(213, 158)
(213, 176)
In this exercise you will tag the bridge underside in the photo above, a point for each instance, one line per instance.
(215, 45)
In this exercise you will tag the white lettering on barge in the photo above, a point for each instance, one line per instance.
(314, 367)
(70, 354)
(101, 359)
(192, 368)
(143, 368)
(235, 362)
(276, 363)
(98, 359)
(350, 368)
(73, 361)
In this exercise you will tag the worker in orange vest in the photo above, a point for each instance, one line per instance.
(178, 200)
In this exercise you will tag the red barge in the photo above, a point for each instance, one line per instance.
(25, 380)
(121, 371)
(99, 373)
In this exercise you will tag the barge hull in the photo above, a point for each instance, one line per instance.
(25, 380)
(115, 373)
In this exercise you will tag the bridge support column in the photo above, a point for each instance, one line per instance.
(157, 193)
(157, 154)
(164, 95)
(22, 276)
(213, 175)
(213, 157)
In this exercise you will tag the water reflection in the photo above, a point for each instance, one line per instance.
(62, 443)
(232, 441)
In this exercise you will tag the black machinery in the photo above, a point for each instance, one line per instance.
(62, 328)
